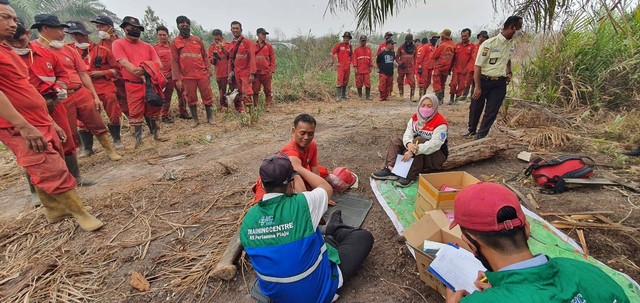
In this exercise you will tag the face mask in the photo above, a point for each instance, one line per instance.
(82, 45)
(56, 44)
(103, 35)
(21, 51)
(426, 112)
(185, 32)
(134, 33)
(518, 33)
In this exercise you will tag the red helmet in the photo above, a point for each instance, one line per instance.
(341, 178)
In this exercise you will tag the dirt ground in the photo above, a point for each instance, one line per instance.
(170, 222)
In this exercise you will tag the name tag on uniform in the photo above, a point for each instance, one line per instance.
(493, 60)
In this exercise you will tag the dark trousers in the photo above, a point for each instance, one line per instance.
(421, 163)
(353, 246)
(493, 93)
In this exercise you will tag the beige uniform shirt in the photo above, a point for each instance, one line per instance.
(493, 56)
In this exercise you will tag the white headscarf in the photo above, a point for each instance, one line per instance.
(423, 120)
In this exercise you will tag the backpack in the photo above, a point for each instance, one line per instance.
(550, 174)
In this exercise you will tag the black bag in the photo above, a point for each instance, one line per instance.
(149, 95)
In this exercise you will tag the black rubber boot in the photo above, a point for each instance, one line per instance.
(86, 139)
(209, 112)
(137, 134)
(413, 92)
(360, 92)
(440, 96)
(368, 93)
(452, 99)
(194, 115)
(344, 93)
(401, 92)
(35, 199)
(114, 130)
(338, 93)
(465, 94)
(74, 169)
(155, 131)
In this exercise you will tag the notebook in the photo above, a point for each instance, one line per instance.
(457, 268)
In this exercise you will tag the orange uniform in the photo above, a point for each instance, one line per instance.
(463, 58)
(191, 65)
(121, 93)
(47, 74)
(220, 59)
(442, 59)
(425, 65)
(344, 53)
(47, 169)
(164, 53)
(406, 66)
(104, 86)
(242, 63)
(266, 66)
(362, 62)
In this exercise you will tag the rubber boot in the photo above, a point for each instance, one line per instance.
(440, 96)
(422, 92)
(137, 134)
(71, 202)
(35, 200)
(360, 92)
(401, 92)
(344, 93)
(338, 93)
(268, 100)
(108, 147)
(452, 99)
(209, 111)
(255, 99)
(155, 131)
(114, 130)
(86, 139)
(74, 169)
(194, 115)
(465, 94)
(53, 210)
(367, 93)
(411, 95)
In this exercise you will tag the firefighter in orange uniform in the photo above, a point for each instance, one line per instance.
(191, 68)
(103, 69)
(107, 34)
(29, 132)
(266, 67)
(442, 60)
(341, 55)
(219, 54)
(482, 37)
(463, 62)
(242, 65)
(363, 62)
(383, 45)
(406, 58)
(163, 49)
(425, 63)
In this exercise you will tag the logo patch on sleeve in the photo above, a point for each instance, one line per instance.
(485, 51)
(443, 136)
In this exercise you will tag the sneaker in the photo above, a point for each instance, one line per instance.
(384, 174)
(469, 134)
(402, 182)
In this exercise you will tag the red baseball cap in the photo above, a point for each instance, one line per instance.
(476, 207)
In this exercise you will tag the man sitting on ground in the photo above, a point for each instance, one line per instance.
(301, 147)
(496, 229)
(281, 237)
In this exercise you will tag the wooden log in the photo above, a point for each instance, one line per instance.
(576, 213)
(226, 269)
(471, 152)
(622, 181)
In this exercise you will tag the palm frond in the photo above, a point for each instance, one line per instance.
(370, 13)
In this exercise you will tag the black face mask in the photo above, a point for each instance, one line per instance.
(479, 255)
(134, 33)
(433, 41)
(409, 47)
(185, 32)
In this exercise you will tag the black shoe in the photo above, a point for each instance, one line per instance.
(384, 174)
(402, 182)
(469, 134)
(480, 136)
(167, 120)
(633, 153)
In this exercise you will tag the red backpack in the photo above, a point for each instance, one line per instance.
(550, 174)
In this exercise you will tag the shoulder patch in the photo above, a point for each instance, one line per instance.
(485, 51)
(443, 136)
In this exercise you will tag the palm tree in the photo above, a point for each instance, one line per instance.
(82, 10)
(543, 13)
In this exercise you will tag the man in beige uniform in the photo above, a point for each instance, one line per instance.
(492, 74)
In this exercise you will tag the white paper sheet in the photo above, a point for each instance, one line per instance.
(458, 267)
(401, 168)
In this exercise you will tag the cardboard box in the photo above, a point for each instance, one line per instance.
(431, 184)
(434, 226)
(422, 205)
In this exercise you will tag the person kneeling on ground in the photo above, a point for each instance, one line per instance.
(495, 227)
(424, 140)
(280, 235)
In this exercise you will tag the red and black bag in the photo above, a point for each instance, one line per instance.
(550, 174)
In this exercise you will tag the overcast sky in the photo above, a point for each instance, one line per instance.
(295, 17)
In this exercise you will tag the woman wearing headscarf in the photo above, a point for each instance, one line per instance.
(424, 140)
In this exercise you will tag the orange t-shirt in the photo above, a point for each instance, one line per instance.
(308, 157)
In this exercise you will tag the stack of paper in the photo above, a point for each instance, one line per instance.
(431, 247)
(457, 268)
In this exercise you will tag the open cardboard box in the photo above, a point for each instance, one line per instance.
(433, 226)
(430, 184)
